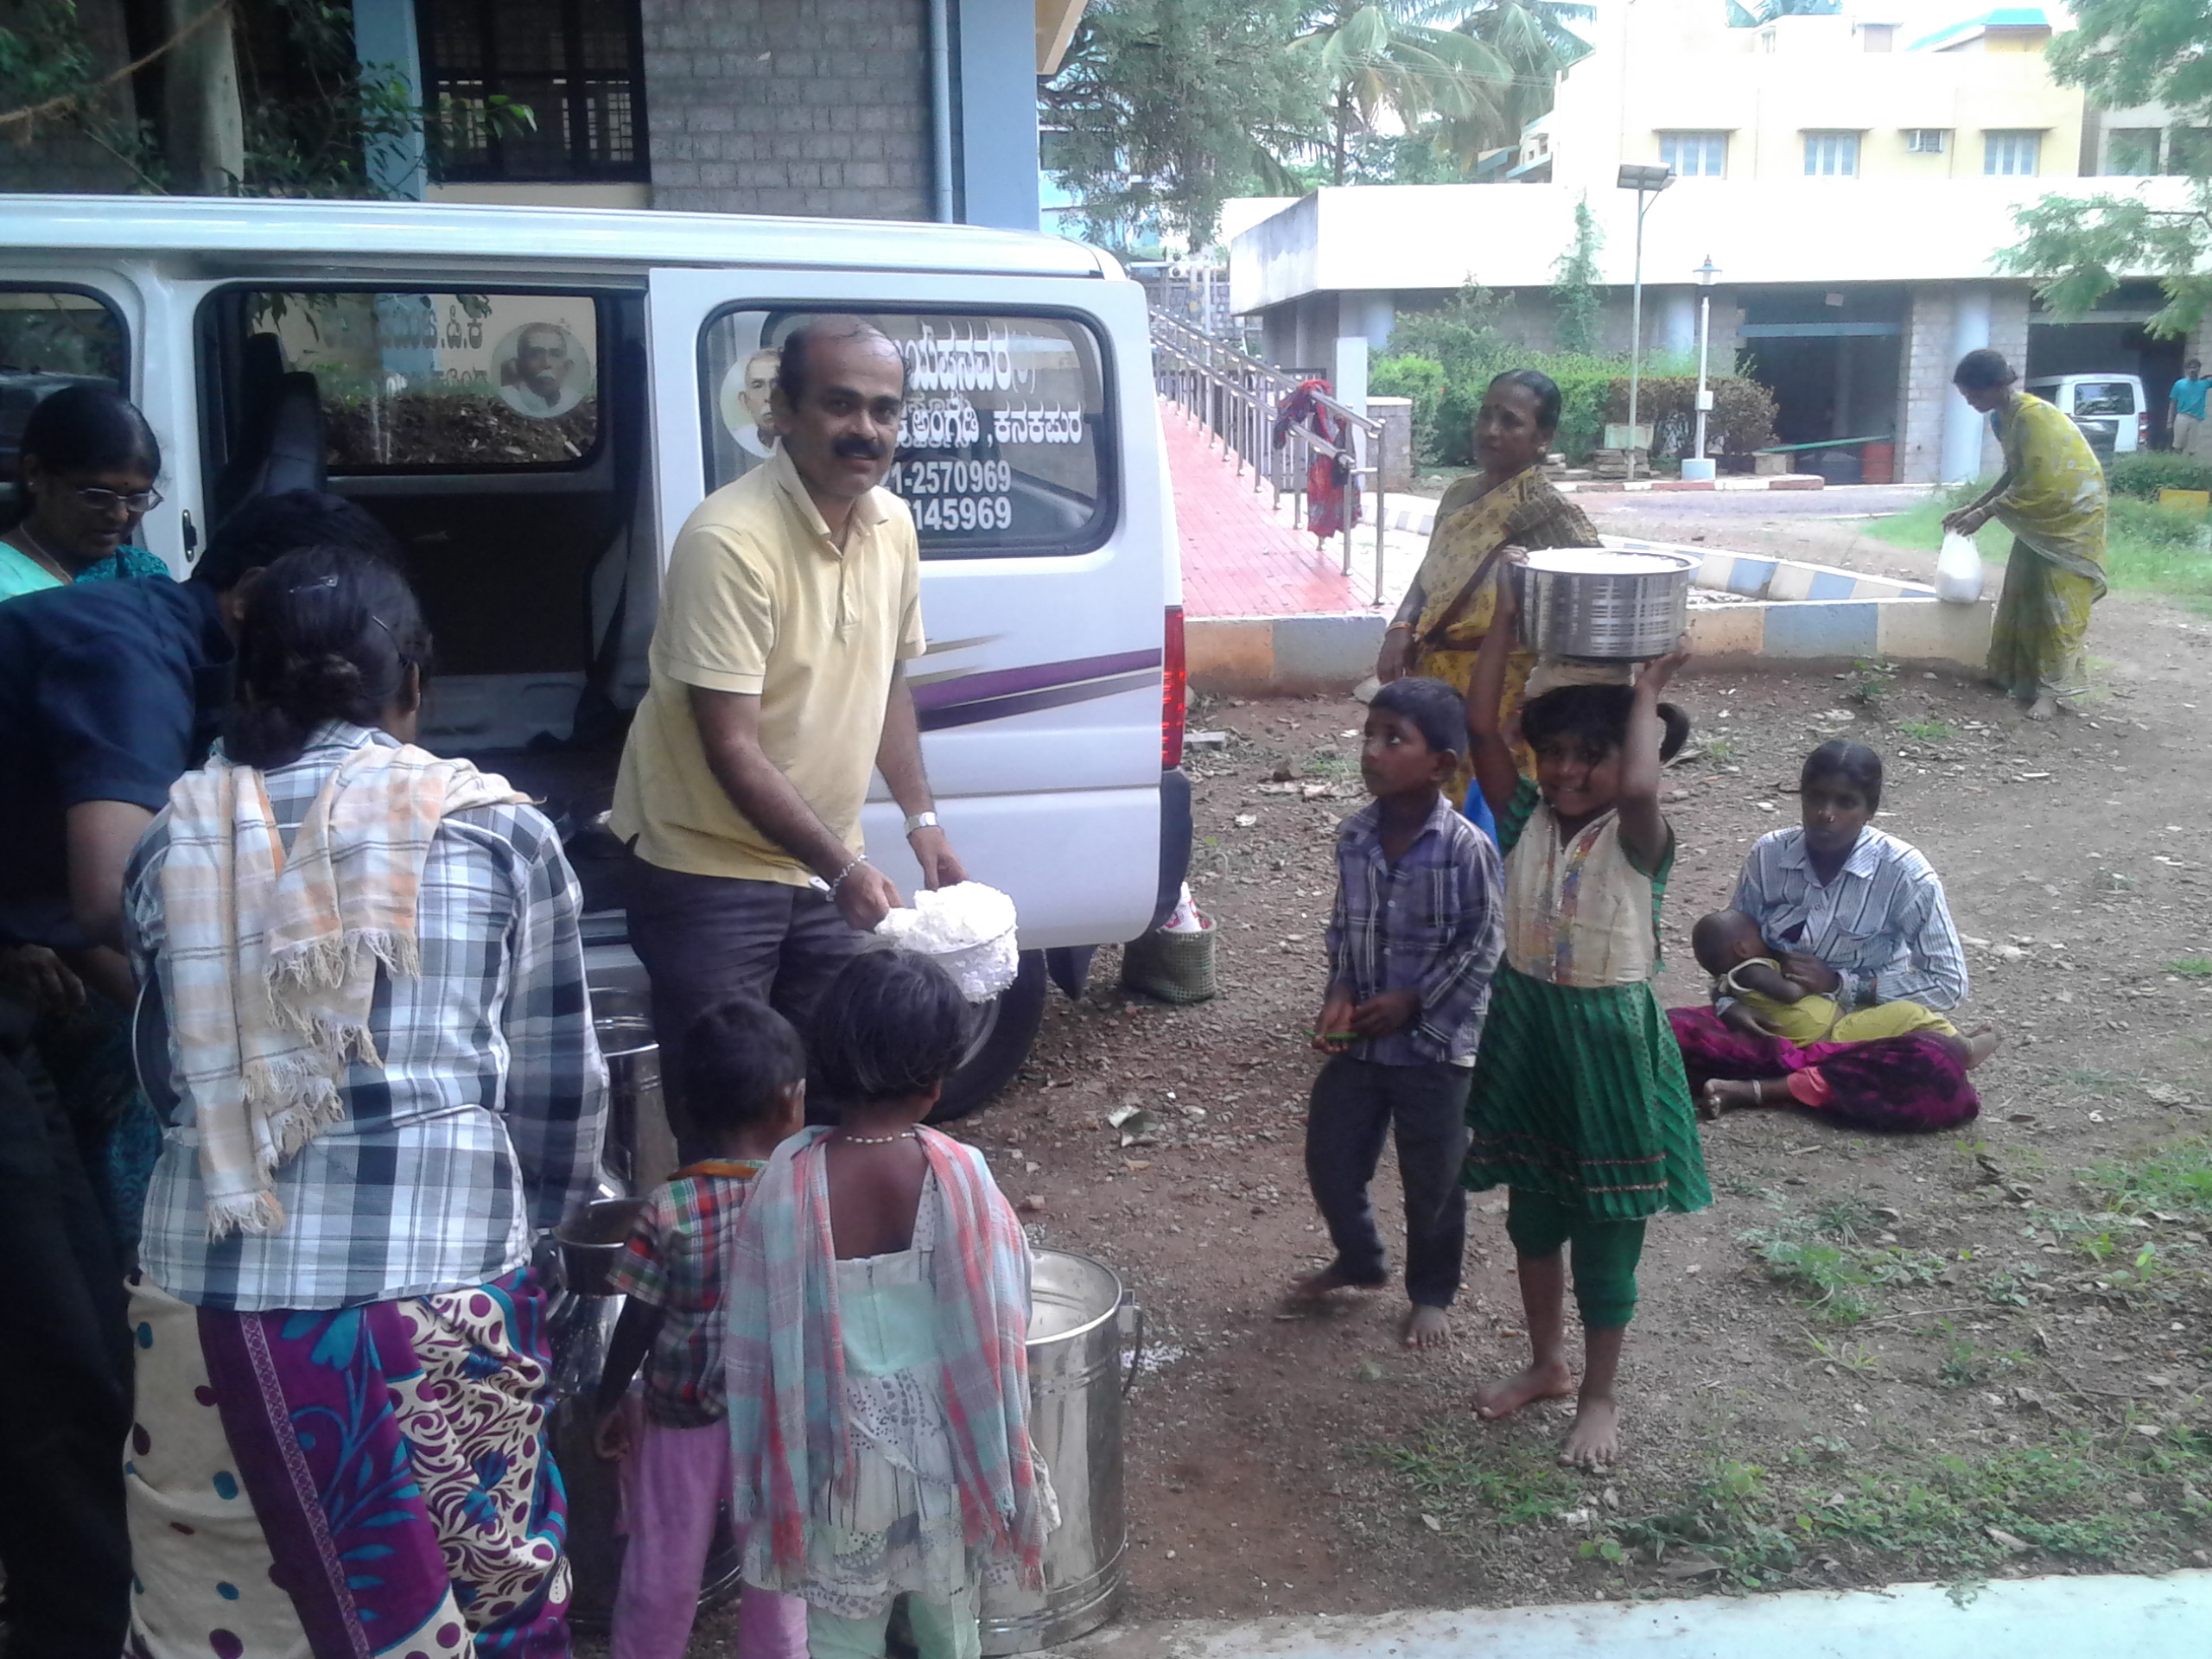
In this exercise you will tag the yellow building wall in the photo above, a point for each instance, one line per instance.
(1659, 68)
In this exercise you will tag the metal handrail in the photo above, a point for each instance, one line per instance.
(1236, 397)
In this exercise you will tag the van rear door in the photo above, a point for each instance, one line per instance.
(1045, 576)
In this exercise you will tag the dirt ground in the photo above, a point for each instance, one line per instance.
(1943, 1357)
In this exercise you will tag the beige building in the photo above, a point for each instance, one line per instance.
(1870, 95)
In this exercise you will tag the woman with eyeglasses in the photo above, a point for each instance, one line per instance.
(88, 461)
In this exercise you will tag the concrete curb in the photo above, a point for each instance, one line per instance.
(2085, 1617)
(1800, 613)
(1420, 520)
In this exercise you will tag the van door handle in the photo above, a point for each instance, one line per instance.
(191, 534)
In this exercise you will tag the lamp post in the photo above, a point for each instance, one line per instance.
(1706, 274)
(1646, 180)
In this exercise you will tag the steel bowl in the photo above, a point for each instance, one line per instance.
(1604, 603)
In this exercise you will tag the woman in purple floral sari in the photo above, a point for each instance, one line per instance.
(1860, 917)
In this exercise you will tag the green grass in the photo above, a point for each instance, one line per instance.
(2148, 548)
(1927, 731)
(2176, 1180)
(1457, 1474)
(2079, 1498)
(1820, 1257)
(2192, 967)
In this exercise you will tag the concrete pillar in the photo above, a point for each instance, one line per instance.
(1348, 352)
(385, 45)
(2008, 335)
(1373, 316)
(1677, 321)
(1924, 384)
(996, 108)
(1963, 429)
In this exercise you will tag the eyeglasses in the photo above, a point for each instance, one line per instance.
(100, 500)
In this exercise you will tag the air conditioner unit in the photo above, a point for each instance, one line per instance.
(1925, 141)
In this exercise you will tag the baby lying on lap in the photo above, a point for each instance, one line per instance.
(1768, 1004)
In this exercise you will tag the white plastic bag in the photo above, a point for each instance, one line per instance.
(1185, 919)
(1958, 569)
(969, 928)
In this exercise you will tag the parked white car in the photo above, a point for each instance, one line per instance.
(533, 399)
(2110, 408)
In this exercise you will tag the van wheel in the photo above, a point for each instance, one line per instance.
(999, 1043)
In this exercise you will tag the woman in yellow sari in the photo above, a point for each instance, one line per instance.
(2052, 497)
(1483, 522)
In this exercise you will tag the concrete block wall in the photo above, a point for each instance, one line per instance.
(802, 106)
(1926, 390)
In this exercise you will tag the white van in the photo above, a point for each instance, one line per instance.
(534, 399)
(2110, 408)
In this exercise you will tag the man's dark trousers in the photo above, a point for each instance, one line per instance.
(65, 1378)
(705, 938)
(1356, 1104)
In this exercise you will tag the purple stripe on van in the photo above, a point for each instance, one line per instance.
(1037, 677)
(1022, 702)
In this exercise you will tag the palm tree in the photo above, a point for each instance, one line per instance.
(1405, 56)
(1533, 36)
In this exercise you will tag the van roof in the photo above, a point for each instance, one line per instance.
(251, 228)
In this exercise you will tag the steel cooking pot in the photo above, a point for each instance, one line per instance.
(1604, 602)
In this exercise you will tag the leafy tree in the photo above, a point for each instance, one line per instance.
(1578, 303)
(1754, 17)
(2123, 52)
(1164, 109)
(1405, 57)
(1533, 36)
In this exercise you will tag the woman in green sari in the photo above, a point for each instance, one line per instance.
(1484, 520)
(2052, 497)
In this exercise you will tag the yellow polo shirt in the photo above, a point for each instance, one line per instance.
(758, 600)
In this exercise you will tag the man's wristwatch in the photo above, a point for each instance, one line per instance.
(920, 821)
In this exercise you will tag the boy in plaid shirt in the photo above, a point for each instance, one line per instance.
(745, 1084)
(1416, 935)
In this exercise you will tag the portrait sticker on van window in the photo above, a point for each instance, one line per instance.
(50, 338)
(1002, 448)
(449, 382)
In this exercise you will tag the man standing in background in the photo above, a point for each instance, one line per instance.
(2185, 412)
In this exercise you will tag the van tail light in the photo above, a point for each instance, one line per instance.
(2143, 431)
(1174, 692)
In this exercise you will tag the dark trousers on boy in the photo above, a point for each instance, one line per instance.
(1357, 1104)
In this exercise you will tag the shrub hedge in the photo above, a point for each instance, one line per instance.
(2146, 471)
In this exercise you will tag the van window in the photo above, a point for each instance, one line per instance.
(1006, 445)
(438, 381)
(2103, 397)
(49, 339)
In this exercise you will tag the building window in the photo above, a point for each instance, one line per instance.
(578, 66)
(2188, 150)
(2131, 152)
(1832, 155)
(1878, 37)
(2011, 154)
(1695, 155)
(1927, 141)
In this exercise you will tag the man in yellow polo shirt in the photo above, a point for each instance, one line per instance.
(790, 603)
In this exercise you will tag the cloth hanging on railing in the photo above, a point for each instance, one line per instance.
(1332, 500)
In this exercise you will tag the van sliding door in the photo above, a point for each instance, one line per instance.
(1045, 570)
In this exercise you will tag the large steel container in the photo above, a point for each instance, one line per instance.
(1603, 603)
(1079, 1322)
(640, 1146)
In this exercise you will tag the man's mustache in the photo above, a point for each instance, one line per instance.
(852, 449)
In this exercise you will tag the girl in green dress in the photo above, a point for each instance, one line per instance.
(1579, 1105)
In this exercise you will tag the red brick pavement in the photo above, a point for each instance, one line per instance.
(1239, 559)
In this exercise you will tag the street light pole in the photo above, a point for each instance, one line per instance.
(1706, 274)
(1645, 181)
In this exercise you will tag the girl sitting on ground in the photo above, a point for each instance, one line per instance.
(878, 1306)
(1579, 1103)
(1860, 918)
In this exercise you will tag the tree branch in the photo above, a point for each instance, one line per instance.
(63, 102)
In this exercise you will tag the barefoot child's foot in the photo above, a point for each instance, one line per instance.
(1551, 1381)
(2041, 708)
(1729, 1094)
(1594, 1442)
(1317, 1286)
(1426, 1327)
(1981, 1043)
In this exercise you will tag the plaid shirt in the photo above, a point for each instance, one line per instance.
(679, 1252)
(1883, 924)
(482, 1125)
(1430, 924)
